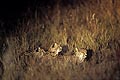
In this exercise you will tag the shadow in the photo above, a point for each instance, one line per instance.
(1, 70)
(89, 54)
(64, 50)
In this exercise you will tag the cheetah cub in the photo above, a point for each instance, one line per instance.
(39, 52)
(81, 54)
(55, 49)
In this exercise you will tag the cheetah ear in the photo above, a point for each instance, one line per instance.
(76, 49)
(39, 48)
(36, 49)
(55, 44)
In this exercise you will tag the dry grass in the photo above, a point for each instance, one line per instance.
(90, 25)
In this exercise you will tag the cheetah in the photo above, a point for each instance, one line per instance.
(55, 49)
(81, 54)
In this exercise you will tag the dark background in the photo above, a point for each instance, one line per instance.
(12, 9)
